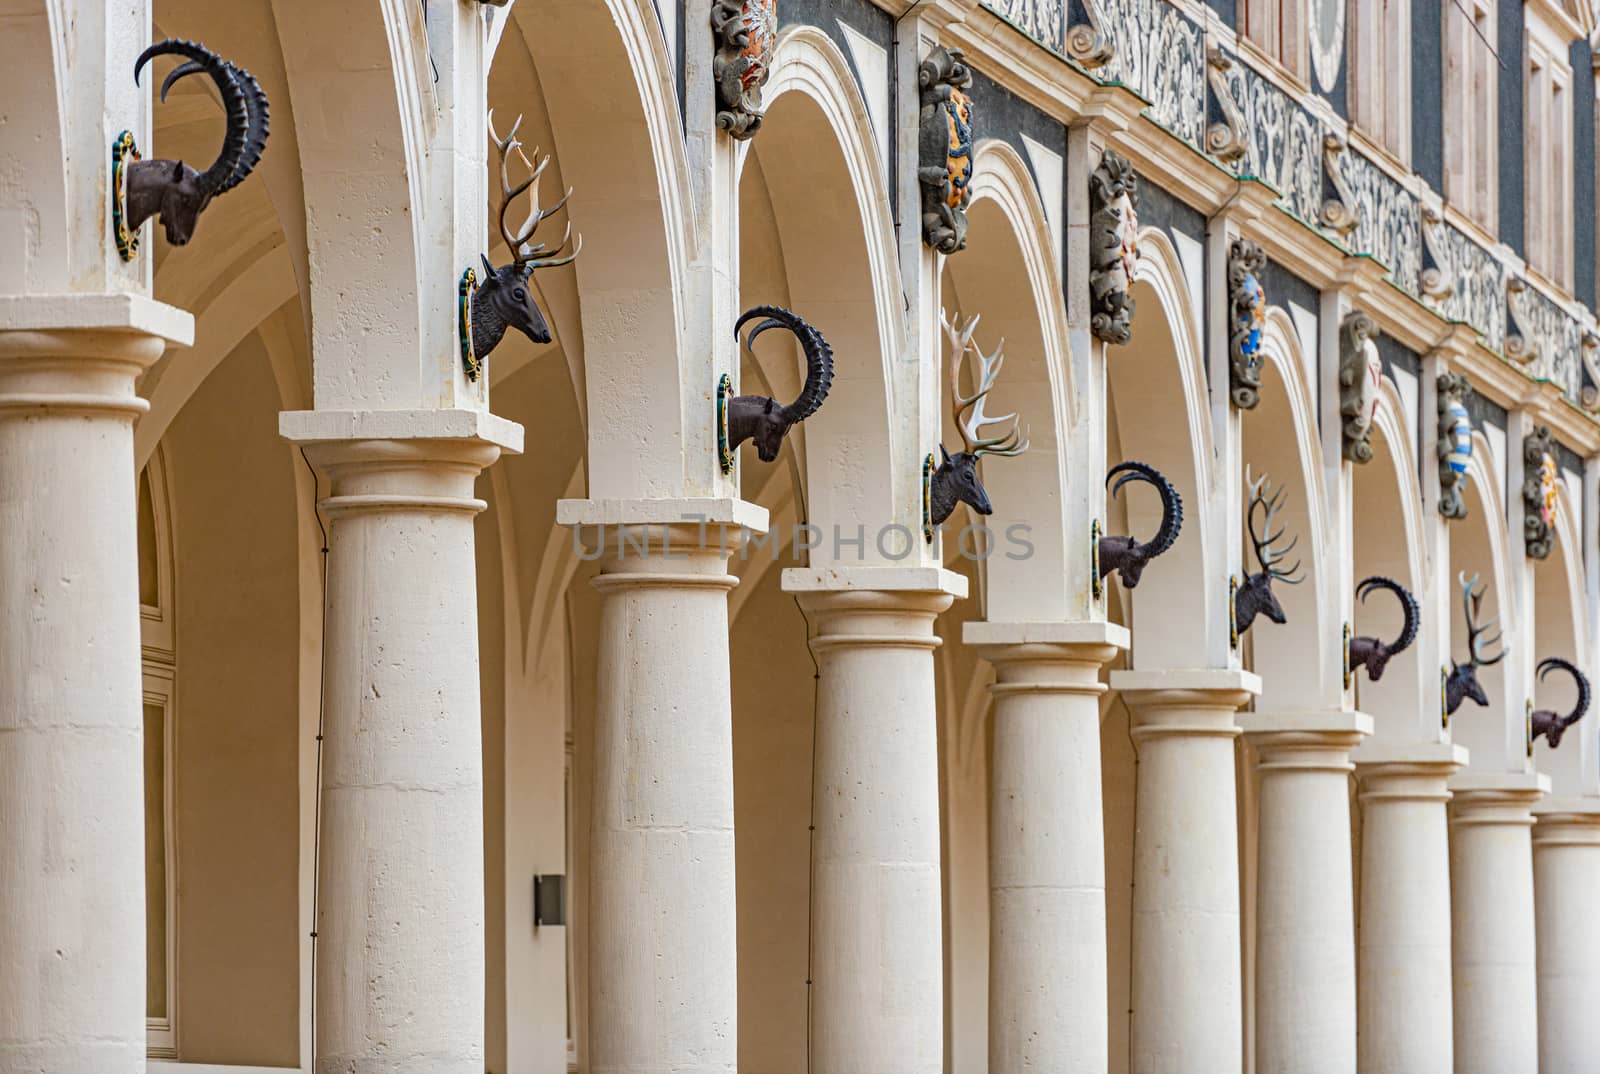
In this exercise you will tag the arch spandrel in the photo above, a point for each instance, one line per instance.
(1007, 276)
(1159, 414)
(1560, 630)
(1298, 661)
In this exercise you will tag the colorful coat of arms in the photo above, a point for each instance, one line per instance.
(746, 33)
(1247, 303)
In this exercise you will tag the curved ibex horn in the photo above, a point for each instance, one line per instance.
(1578, 678)
(242, 100)
(1408, 606)
(819, 356)
(1171, 503)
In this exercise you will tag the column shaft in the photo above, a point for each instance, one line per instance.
(1566, 879)
(877, 998)
(1492, 928)
(663, 987)
(1187, 1006)
(1404, 1020)
(400, 950)
(1305, 987)
(1047, 910)
(72, 912)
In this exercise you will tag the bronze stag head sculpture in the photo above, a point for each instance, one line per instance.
(1374, 654)
(172, 189)
(505, 296)
(764, 420)
(1462, 682)
(1552, 725)
(956, 479)
(1128, 555)
(1255, 596)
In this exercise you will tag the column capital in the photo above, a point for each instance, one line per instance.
(1490, 798)
(1192, 702)
(1418, 772)
(122, 313)
(662, 541)
(851, 607)
(1046, 658)
(1568, 820)
(1312, 740)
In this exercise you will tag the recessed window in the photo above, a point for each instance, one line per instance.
(1547, 174)
(1278, 28)
(1380, 73)
(1470, 106)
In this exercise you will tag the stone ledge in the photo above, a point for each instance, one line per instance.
(335, 426)
(1312, 722)
(115, 312)
(1576, 805)
(1187, 679)
(879, 579)
(1079, 632)
(1532, 783)
(1375, 751)
(664, 511)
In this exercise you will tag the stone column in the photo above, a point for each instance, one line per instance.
(1492, 922)
(663, 987)
(1047, 879)
(1305, 984)
(1566, 884)
(400, 947)
(1187, 982)
(877, 994)
(1403, 1012)
(72, 907)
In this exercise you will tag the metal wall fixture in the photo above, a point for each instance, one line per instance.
(944, 157)
(1255, 597)
(1461, 682)
(1372, 653)
(1552, 725)
(745, 33)
(765, 420)
(1129, 556)
(170, 188)
(1360, 377)
(503, 298)
(1113, 247)
(1541, 492)
(1454, 443)
(956, 479)
(1247, 320)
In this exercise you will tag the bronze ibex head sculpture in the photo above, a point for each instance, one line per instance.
(505, 299)
(171, 188)
(1255, 596)
(1462, 682)
(764, 420)
(956, 479)
(1128, 555)
(1374, 654)
(1552, 725)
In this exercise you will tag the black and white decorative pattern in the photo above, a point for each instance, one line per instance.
(1551, 341)
(1043, 20)
(1475, 280)
(1285, 141)
(1161, 56)
(1389, 221)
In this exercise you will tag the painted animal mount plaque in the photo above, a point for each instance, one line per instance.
(1255, 597)
(1113, 247)
(504, 297)
(172, 189)
(746, 32)
(767, 421)
(1372, 653)
(1129, 556)
(956, 478)
(944, 158)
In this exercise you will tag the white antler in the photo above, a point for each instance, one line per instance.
(969, 415)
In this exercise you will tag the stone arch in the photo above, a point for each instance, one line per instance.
(1158, 411)
(1299, 661)
(1479, 545)
(1008, 275)
(36, 220)
(608, 85)
(1560, 629)
(1387, 540)
(815, 233)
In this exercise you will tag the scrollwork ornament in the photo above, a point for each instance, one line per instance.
(1113, 247)
(746, 32)
(1522, 342)
(1247, 319)
(1436, 280)
(1454, 444)
(1228, 140)
(1360, 375)
(1087, 42)
(945, 147)
(1340, 213)
(1541, 492)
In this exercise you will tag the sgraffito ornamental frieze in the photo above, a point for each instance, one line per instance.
(1544, 339)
